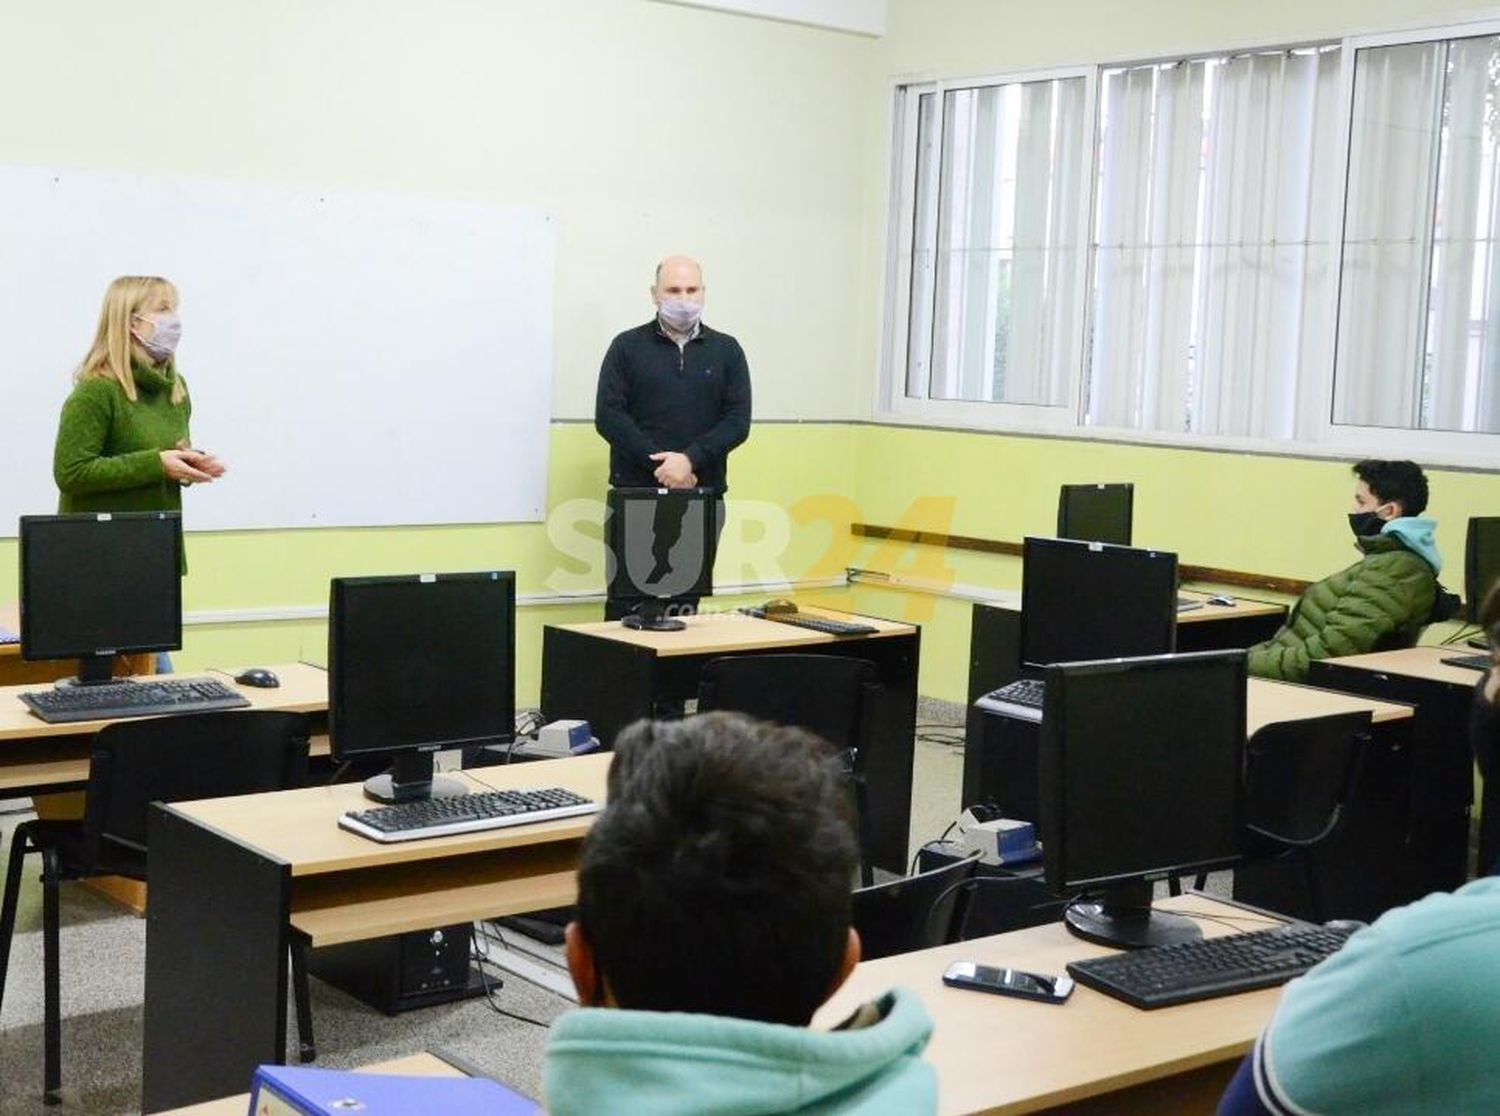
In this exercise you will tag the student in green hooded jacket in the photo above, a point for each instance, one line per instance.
(714, 906)
(1383, 600)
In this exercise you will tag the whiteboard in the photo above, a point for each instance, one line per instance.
(354, 359)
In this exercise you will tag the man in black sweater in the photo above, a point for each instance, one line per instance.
(673, 400)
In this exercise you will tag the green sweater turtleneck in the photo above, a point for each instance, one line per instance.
(108, 450)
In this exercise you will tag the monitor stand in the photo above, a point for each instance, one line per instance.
(93, 670)
(1122, 917)
(651, 616)
(412, 777)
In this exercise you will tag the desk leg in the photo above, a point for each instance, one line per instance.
(994, 660)
(606, 682)
(216, 964)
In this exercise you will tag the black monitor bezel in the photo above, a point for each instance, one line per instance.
(336, 699)
(620, 587)
(1065, 506)
(1032, 543)
(1052, 789)
(28, 618)
(1473, 591)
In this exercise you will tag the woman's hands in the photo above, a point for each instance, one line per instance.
(190, 466)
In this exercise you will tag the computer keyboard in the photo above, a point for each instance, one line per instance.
(822, 624)
(1199, 970)
(1470, 662)
(1187, 604)
(1023, 691)
(147, 698)
(465, 813)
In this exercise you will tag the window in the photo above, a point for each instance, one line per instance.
(1419, 306)
(988, 278)
(1214, 242)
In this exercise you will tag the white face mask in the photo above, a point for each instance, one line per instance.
(166, 333)
(679, 315)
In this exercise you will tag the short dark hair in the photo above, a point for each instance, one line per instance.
(718, 878)
(1395, 482)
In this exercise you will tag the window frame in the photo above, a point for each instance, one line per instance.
(891, 404)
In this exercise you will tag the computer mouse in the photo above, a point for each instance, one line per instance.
(780, 604)
(257, 676)
(1349, 924)
(1222, 599)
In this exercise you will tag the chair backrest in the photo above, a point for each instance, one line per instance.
(178, 759)
(914, 912)
(830, 695)
(1299, 775)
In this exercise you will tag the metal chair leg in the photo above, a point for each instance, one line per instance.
(307, 1051)
(51, 982)
(16, 865)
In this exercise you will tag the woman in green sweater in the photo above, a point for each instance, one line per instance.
(122, 442)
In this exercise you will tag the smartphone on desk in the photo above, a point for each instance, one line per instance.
(1008, 982)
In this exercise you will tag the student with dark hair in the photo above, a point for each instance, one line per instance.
(714, 904)
(1383, 600)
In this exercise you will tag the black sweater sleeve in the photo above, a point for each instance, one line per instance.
(733, 426)
(612, 411)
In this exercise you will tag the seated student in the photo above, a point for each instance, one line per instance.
(1381, 601)
(713, 920)
(1403, 1020)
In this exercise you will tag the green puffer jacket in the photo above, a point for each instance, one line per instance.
(1379, 603)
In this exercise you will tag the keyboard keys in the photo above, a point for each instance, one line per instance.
(117, 700)
(465, 813)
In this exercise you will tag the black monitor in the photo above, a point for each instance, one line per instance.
(1481, 562)
(1141, 778)
(418, 663)
(1082, 600)
(1095, 512)
(659, 546)
(94, 586)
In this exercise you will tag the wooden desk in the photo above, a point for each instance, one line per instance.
(1442, 763)
(38, 758)
(610, 676)
(233, 878)
(1093, 1054)
(416, 1065)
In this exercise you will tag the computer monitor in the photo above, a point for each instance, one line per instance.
(660, 545)
(419, 663)
(1095, 512)
(94, 586)
(1082, 600)
(1481, 562)
(1141, 766)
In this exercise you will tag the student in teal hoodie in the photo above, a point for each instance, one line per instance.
(713, 920)
(1383, 600)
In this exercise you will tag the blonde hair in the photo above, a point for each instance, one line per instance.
(114, 346)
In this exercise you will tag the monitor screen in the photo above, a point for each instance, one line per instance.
(1141, 766)
(1481, 562)
(93, 585)
(1095, 512)
(420, 662)
(660, 543)
(1082, 600)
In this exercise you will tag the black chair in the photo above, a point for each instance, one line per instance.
(1299, 778)
(133, 764)
(830, 695)
(913, 912)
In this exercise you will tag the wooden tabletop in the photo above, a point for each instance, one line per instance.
(303, 689)
(1003, 1054)
(1269, 702)
(1242, 608)
(299, 827)
(1417, 662)
(710, 632)
(416, 1065)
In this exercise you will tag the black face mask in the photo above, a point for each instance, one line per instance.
(1365, 523)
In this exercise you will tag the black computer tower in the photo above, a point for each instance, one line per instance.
(402, 972)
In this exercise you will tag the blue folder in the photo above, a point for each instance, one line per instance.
(305, 1091)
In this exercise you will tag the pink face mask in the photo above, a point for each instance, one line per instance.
(679, 315)
(164, 338)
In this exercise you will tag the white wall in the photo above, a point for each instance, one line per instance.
(645, 128)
